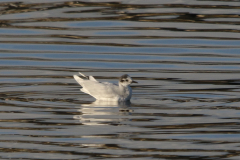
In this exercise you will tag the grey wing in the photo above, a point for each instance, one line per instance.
(100, 90)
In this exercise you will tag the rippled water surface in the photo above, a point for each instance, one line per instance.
(184, 54)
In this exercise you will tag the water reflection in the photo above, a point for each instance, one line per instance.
(103, 112)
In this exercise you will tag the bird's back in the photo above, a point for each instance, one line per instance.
(100, 91)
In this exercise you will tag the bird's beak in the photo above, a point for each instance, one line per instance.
(134, 82)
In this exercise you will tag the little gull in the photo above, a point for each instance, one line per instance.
(106, 91)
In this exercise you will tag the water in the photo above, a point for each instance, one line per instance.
(184, 54)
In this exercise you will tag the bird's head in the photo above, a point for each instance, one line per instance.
(126, 80)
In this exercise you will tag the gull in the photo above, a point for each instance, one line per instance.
(106, 91)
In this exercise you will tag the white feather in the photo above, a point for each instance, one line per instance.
(105, 90)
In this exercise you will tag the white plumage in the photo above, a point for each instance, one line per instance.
(106, 91)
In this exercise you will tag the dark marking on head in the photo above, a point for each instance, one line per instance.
(124, 80)
(123, 77)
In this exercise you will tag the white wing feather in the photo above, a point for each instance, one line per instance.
(91, 78)
(97, 89)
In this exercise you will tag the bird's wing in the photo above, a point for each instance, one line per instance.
(91, 78)
(82, 74)
(97, 89)
(101, 90)
(78, 79)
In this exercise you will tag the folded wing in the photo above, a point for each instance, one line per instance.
(97, 89)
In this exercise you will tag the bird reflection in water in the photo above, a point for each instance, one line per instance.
(104, 113)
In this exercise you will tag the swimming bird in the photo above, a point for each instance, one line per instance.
(104, 90)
